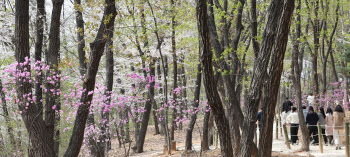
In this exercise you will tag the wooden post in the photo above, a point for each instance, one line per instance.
(347, 138)
(320, 137)
(286, 136)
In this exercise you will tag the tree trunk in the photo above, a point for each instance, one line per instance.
(35, 124)
(335, 74)
(40, 16)
(346, 94)
(272, 85)
(97, 49)
(148, 105)
(7, 118)
(80, 35)
(314, 55)
(173, 45)
(155, 119)
(188, 143)
(184, 84)
(53, 56)
(233, 107)
(209, 83)
(205, 136)
(162, 127)
(104, 137)
(127, 126)
(259, 71)
(148, 108)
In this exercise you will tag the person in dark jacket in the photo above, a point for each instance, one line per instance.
(287, 105)
(311, 120)
(259, 118)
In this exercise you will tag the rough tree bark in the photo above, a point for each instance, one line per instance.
(205, 135)
(210, 85)
(35, 125)
(273, 79)
(314, 55)
(259, 71)
(97, 49)
(40, 16)
(80, 35)
(52, 59)
(188, 143)
(335, 74)
(233, 107)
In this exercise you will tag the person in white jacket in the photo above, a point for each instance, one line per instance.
(293, 120)
(284, 116)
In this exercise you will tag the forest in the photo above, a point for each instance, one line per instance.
(168, 77)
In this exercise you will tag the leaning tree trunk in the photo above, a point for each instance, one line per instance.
(272, 85)
(188, 143)
(259, 71)
(104, 138)
(335, 74)
(148, 108)
(97, 49)
(209, 83)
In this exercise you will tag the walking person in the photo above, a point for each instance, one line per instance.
(338, 118)
(286, 112)
(293, 119)
(311, 120)
(310, 99)
(329, 125)
(287, 105)
(321, 119)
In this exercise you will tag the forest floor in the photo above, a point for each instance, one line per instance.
(153, 146)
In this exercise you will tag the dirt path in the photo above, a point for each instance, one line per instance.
(154, 147)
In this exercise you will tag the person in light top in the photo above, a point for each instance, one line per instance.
(338, 118)
(329, 125)
(293, 119)
(321, 119)
(285, 114)
(310, 99)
